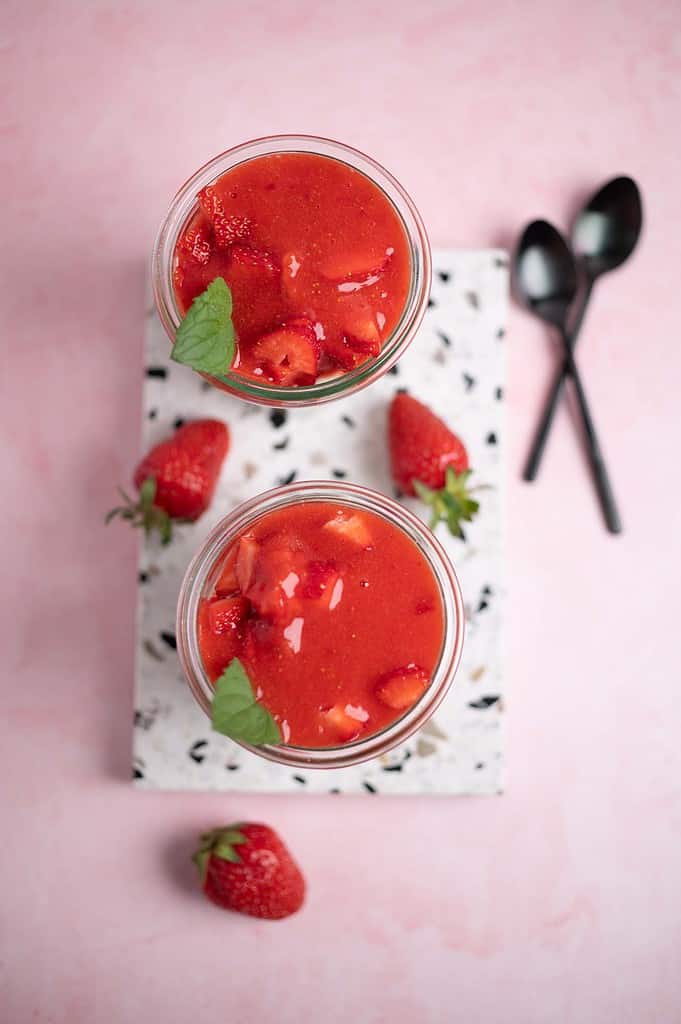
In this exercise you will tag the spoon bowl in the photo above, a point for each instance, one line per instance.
(545, 274)
(607, 230)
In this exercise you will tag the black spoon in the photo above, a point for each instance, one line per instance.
(545, 277)
(604, 235)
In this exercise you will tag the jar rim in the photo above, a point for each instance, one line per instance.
(331, 388)
(348, 495)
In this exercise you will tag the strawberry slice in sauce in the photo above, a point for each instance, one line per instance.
(323, 583)
(227, 581)
(290, 355)
(361, 333)
(356, 268)
(403, 687)
(227, 227)
(351, 527)
(226, 614)
(344, 722)
(218, 646)
(250, 256)
(195, 241)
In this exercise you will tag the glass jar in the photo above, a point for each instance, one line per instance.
(184, 205)
(197, 581)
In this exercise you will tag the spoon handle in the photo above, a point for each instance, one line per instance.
(544, 426)
(605, 492)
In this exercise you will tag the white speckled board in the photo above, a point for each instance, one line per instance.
(456, 365)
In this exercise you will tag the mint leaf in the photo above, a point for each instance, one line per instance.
(205, 338)
(236, 712)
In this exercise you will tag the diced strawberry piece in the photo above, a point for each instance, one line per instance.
(317, 578)
(217, 649)
(288, 355)
(275, 577)
(227, 582)
(268, 599)
(303, 325)
(356, 266)
(195, 242)
(403, 687)
(361, 334)
(351, 526)
(226, 613)
(323, 583)
(340, 353)
(364, 346)
(227, 227)
(266, 640)
(245, 561)
(345, 722)
(249, 256)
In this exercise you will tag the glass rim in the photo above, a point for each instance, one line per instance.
(350, 495)
(347, 382)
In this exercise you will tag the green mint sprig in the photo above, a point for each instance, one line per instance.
(237, 714)
(205, 339)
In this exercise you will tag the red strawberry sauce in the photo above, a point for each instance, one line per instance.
(335, 615)
(301, 237)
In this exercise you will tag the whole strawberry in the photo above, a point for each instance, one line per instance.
(429, 460)
(177, 478)
(247, 868)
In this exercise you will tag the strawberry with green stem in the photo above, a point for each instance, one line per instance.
(176, 480)
(247, 868)
(429, 460)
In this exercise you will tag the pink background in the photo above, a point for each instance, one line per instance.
(559, 901)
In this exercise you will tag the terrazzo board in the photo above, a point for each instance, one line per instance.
(455, 365)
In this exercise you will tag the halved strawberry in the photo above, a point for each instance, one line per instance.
(195, 242)
(323, 583)
(227, 582)
(226, 613)
(227, 227)
(401, 688)
(249, 256)
(351, 526)
(289, 355)
(345, 722)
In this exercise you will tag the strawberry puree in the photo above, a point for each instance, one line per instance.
(335, 615)
(299, 238)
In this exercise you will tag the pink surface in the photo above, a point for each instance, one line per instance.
(557, 902)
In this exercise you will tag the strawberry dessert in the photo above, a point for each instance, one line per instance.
(314, 263)
(321, 624)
